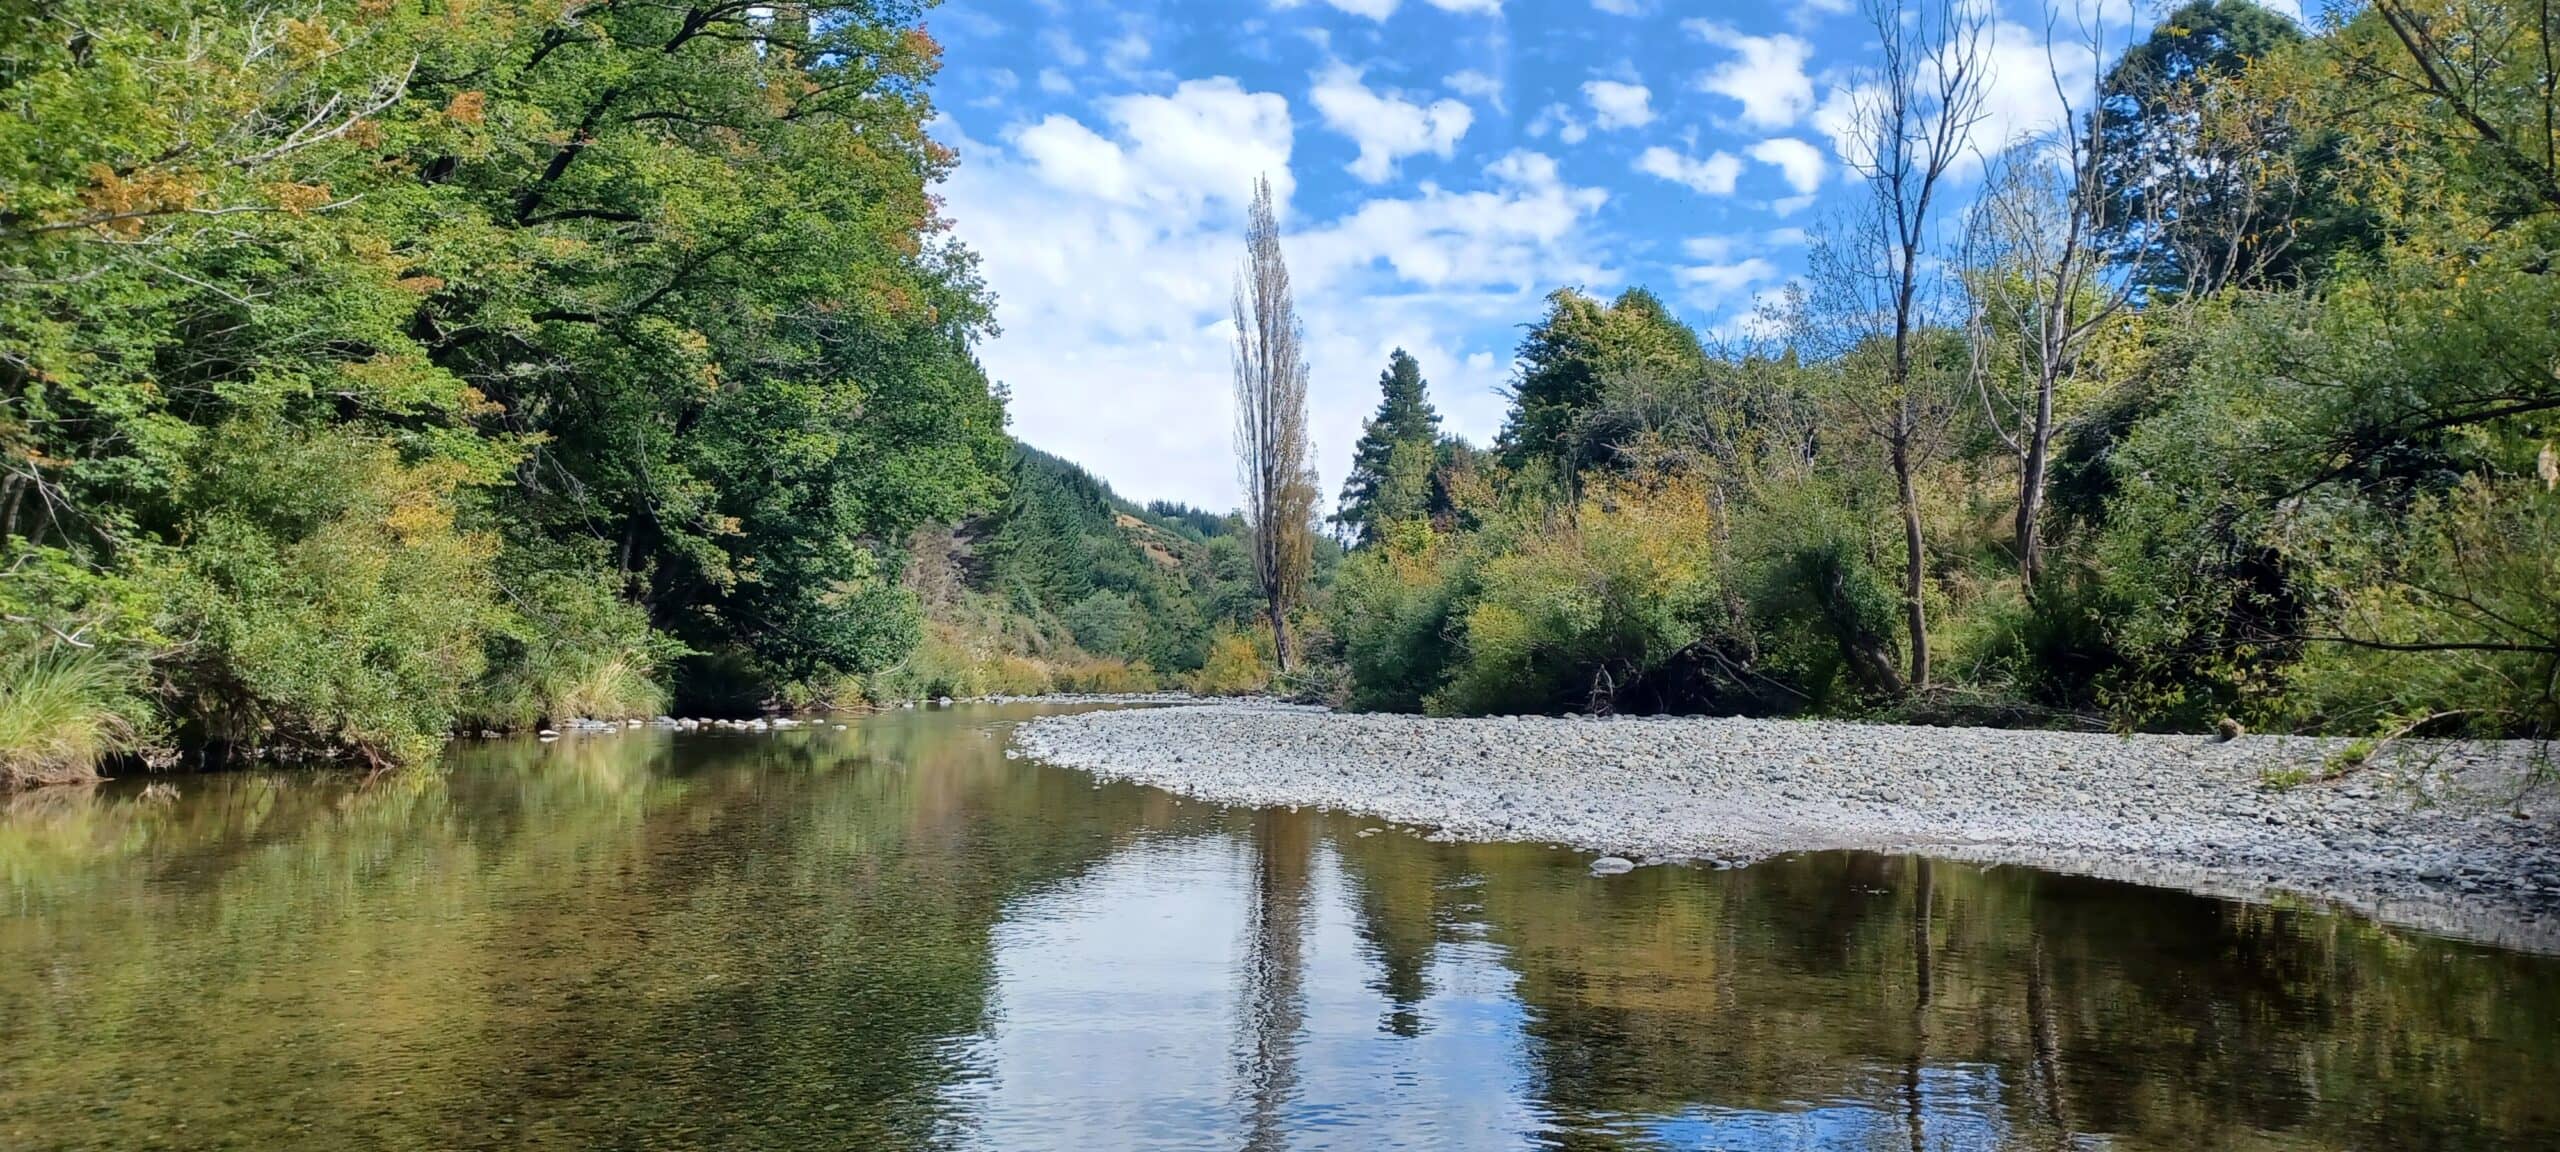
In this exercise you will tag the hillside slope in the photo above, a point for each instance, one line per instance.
(1067, 586)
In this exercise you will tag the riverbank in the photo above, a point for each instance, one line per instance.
(2458, 841)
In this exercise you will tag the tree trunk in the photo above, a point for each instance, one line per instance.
(2031, 530)
(11, 489)
(2047, 1042)
(1915, 608)
(1279, 634)
(1915, 1105)
(2031, 493)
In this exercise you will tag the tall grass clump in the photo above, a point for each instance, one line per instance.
(1104, 676)
(567, 685)
(64, 709)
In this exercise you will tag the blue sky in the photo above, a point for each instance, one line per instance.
(1442, 166)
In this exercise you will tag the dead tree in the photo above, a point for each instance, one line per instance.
(2035, 261)
(1912, 123)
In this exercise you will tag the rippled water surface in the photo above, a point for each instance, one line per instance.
(891, 937)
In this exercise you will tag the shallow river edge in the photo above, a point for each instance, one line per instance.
(2462, 840)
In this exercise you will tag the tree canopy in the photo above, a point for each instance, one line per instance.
(373, 366)
(2306, 476)
(1392, 463)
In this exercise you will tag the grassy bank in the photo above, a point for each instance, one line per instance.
(64, 710)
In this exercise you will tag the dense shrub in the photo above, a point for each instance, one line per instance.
(1825, 612)
(328, 602)
(1236, 667)
(567, 645)
(1104, 676)
(1395, 610)
(1589, 604)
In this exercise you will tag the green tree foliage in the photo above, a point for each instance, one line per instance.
(2194, 203)
(1067, 586)
(1195, 521)
(1399, 448)
(1067, 549)
(1583, 612)
(1571, 358)
(2315, 486)
(1396, 608)
(375, 364)
(318, 587)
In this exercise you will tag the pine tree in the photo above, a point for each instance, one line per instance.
(1391, 467)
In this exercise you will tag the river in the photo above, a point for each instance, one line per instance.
(892, 936)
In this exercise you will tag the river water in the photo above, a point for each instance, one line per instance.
(892, 937)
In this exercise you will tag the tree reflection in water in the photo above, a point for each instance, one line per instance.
(892, 937)
(1274, 1005)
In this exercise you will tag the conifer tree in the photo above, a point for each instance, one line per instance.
(1391, 467)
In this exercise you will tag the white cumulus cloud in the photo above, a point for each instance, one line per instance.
(1112, 242)
(1724, 270)
(1713, 284)
(2023, 90)
(1510, 237)
(1129, 51)
(1477, 85)
(1386, 126)
(1713, 176)
(1074, 158)
(1560, 122)
(1801, 163)
(2022, 96)
(1618, 104)
(1766, 74)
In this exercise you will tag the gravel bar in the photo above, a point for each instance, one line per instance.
(2456, 839)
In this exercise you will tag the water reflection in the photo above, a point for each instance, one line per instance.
(892, 937)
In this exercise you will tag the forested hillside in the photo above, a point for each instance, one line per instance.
(1068, 587)
(2232, 401)
(371, 369)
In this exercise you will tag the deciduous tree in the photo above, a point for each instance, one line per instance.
(1273, 452)
(1912, 122)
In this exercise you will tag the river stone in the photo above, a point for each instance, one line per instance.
(1612, 866)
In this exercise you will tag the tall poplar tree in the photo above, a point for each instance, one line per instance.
(1272, 449)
